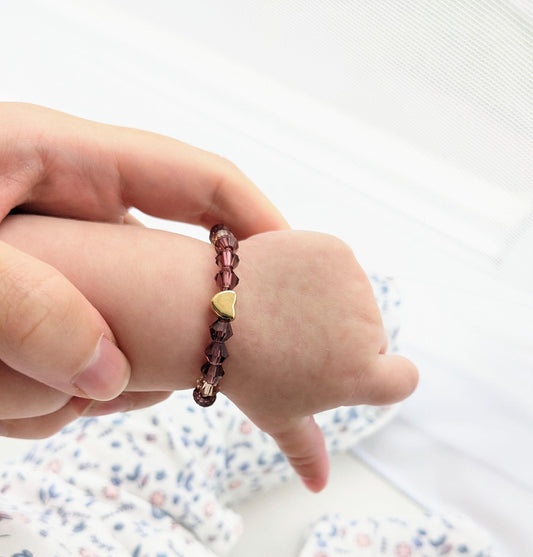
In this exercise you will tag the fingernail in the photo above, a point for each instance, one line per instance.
(3, 430)
(120, 404)
(106, 374)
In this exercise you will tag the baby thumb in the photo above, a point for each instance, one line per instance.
(305, 448)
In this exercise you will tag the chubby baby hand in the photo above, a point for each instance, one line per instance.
(308, 335)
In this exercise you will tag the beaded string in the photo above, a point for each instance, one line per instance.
(223, 304)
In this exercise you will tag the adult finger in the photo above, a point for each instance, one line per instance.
(389, 379)
(125, 402)
(170, 179)
(39, 427)
(24, 397)
(51, 333)
(304, 446)
(58, 164)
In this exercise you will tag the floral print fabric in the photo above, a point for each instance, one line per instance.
(161, 482)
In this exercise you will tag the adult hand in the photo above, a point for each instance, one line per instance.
(56, 164)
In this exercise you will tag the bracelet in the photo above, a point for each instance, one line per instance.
(223, 304)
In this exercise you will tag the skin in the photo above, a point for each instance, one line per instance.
(56, 164)
(308, 335)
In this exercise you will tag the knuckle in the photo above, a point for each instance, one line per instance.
(30, 305)
(225, 174)
(228, 166)
(355, 381)
(340, 246)
(344, 255)
(336, 252)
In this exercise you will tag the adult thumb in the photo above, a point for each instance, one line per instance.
(305, 448)
(51, 333)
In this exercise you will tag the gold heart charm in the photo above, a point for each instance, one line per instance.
(223, 304)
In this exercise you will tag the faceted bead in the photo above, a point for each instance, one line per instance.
(222, 238)
(216, 353)
(217, 231)
(226, 279)
(227, 258)
(211, 373)
(220, 330)
(227, 241)
(203, 400)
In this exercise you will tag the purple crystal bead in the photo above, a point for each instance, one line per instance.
(226, 242)
(217, 231)
(203, 400)
(226, 279)
(225, 245)
(211, 373)
(221, 330)
(216, 353)
(227, 258)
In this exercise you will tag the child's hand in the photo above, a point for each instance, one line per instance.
(307, 336)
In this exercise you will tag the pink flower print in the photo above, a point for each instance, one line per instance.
(55, 466)
(110, 491)
(18, 517)
(403, 550)
(362, 540)
(209, 509)
(246, 428)
(157, 499)
(235, 484)
(86, 553)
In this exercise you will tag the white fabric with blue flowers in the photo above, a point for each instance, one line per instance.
(161, 482)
